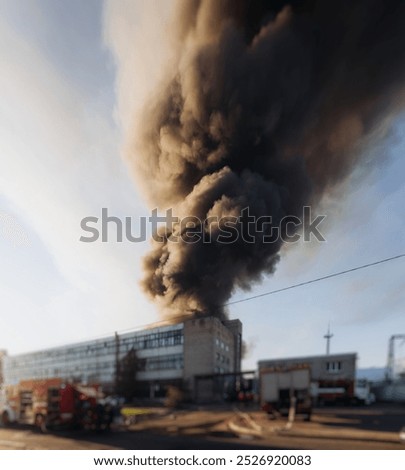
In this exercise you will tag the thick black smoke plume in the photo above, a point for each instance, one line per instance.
(270, 105)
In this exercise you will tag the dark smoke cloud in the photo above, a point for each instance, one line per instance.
(270, 105)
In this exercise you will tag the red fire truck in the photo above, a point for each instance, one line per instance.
(51, 403)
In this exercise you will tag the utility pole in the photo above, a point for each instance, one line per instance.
(328, 337)
(390, 373)
(117, 374)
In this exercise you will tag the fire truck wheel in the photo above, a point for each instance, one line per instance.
(40, 422)
(5, 418)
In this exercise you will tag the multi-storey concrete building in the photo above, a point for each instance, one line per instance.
(154, 358)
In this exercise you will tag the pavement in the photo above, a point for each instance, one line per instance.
(374, 427)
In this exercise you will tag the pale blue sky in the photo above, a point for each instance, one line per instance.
(60, 119)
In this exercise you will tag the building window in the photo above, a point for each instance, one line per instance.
(159, 340)
(174, 361)
(334, 366)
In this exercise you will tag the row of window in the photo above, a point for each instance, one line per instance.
(221, 344)
(331, 366)
(101, 348)
(64, 371)
(222, 359)
(47, 363)
(154, 340)
(174, 361)
(334, 366)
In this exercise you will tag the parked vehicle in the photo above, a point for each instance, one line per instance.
(280, 388)
(362, 393)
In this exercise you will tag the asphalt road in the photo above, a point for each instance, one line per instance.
(375, 427)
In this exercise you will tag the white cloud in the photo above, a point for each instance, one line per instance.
(12, 231)
(60, 162)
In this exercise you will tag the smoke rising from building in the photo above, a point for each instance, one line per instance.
(269, 105)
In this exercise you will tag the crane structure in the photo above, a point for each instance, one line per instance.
(389, 374)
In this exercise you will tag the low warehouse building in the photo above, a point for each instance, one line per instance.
(333, 375)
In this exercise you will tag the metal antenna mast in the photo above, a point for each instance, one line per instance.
(328, 337)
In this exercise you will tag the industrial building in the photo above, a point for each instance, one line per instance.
(332, 375)
(152, 358)
(323, 367)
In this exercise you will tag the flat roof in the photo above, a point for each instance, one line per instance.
(309, 358)
(96, 341)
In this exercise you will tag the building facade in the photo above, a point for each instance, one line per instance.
(153, 358)
(323, 368)
(332, 375)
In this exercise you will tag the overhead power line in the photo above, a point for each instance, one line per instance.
(329, 276)
(182, 317)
